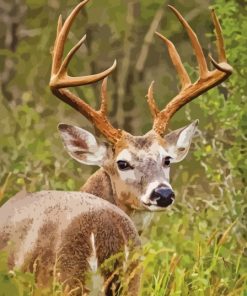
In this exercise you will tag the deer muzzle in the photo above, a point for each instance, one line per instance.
(163, 196)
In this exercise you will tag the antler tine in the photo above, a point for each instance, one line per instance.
(151, 101)
(55, 62)
(60, 80)
(59, 24)
(222, 65)
(59, 77)
(219, 38)
(103, 106)
(203, 69)
(176, 60)
(207, 79)
(71, 53)
(62, 33)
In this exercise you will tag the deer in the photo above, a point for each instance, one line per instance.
(78, 231)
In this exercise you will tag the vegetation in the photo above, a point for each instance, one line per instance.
(199, 246)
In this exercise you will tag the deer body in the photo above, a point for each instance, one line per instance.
(64, 234)
(76, 232)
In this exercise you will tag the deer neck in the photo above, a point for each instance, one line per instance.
(100, 184)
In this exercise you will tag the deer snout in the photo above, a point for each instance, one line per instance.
(163, 196)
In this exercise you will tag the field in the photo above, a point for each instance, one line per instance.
(199, 246)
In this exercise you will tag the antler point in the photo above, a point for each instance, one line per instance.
(222, 66)
(173, 9)
(158, 34)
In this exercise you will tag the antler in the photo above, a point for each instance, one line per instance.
(190, 91)
(60, 79)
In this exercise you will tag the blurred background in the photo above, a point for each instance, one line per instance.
(210, 184)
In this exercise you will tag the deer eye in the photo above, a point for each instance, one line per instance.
(167, 161)
(124, 165)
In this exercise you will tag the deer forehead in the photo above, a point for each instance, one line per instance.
(155, 152)
(134, 148)
(125, 154)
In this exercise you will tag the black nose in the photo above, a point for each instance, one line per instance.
(163, 196)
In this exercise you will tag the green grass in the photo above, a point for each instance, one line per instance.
(195, 259)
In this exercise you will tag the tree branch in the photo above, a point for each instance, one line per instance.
(124, 70)
(148, 39)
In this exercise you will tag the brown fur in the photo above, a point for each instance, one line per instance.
(41, 259)
(139, 142)
(99, 184)
(60, 245)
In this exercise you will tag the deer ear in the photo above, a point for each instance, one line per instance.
(82, 145)
(178, 141)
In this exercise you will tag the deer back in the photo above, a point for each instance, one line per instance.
(76, 232)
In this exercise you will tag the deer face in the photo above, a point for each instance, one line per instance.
(139, 166)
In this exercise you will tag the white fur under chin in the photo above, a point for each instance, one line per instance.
(154, 208)
(141, 219)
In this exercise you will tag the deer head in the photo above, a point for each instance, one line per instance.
(138, 166)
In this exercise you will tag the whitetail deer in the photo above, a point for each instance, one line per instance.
(83, 229)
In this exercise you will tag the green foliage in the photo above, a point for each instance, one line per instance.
(14, 282)
(206, 258)
(199, 246)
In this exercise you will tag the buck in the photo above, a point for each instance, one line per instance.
(78, 231)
